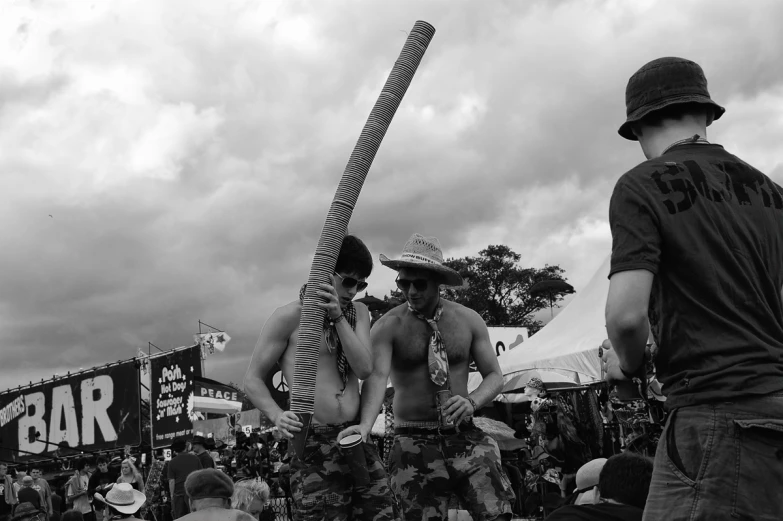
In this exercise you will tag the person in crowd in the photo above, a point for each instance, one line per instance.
(250, 495)
(103, 478)
(7, 493)
(623, 486)
(199, 445)
(77, 489)
(131, 475)
(427, 345)
(697, 257)
(27, 512)
(57, 506)
(122, 501)
(20, 474)
(43, 488)
(209, 494)
(345, 356)
(180, 467)
(27, 494)
(72, 515)
(587, 481)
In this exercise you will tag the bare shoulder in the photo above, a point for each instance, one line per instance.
(361, 308)
(286, 317)
(390, 322)
(463, 313)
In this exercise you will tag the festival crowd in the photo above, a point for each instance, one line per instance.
(697, 261)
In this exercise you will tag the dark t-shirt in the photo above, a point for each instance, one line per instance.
(710, 228)
(5, 508)
(29, 495)
(599, 512)
(206, 460)
(179, 468)
(100, 479)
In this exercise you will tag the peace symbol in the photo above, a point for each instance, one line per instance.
(279, 383)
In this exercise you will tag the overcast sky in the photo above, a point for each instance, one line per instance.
(165, 162)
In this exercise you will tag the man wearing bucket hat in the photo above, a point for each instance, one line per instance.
(122, 501)
(697, 257)
(322, 484)
(28, 512)
(210, 492)
(199, 444)
(426, 345)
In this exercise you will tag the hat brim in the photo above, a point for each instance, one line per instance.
(636, 115)
(138, 501)
(449, 276)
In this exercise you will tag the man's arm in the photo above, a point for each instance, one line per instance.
(626, 320)
(374, 387)
(487, 364)
(356, 344)
(171, 490)
(270, 347)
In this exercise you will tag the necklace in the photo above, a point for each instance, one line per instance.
(691, 140)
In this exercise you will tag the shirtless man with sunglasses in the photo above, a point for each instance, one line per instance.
(426, 346)
(321, 484)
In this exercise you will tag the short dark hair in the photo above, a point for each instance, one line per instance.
(72, 515)
(178, 445)
(102, 460)
(82, 463)
(675, 112)
(626, 478)
(36, 467)
(354, 257)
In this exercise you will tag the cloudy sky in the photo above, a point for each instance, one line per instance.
(165, 162)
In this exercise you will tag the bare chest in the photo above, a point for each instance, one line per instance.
(412, 341)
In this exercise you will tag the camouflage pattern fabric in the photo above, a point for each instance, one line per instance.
(426, 469)
(322, 485)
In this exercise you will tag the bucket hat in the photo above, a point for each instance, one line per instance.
(123, 498)
(25, 510)
(424, 253)
(664, 82)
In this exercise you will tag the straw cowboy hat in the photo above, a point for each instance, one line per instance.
(424, 253)
(123, 498)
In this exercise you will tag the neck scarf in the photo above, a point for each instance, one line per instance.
(333, 343)
(437, 360)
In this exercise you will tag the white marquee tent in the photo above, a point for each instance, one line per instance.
(567, 345)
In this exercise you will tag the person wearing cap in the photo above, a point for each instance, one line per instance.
(426, 346)
(199, 444)
(618, 489)
(587, 481)
(697, 257)
(122, 501)
(209, 494)
(322, 485)
(182, 465)
(27, 512)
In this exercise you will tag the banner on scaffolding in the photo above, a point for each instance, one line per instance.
(92, 410)
(172, 385)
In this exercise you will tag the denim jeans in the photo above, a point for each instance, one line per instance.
(720, 461)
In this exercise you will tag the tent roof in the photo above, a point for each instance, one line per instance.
(569, 343)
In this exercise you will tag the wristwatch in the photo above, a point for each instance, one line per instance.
(473, 403)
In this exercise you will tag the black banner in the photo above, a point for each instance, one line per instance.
(92, 410)
(171, 394)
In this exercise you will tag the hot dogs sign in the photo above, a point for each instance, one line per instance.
(171, 394)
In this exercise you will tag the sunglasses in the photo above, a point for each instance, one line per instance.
(350, 282)
(405, 284)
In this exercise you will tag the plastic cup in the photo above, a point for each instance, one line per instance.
(441, 397)
(353, 452)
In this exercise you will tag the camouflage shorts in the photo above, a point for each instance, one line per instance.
(323, 488)
(427, 468)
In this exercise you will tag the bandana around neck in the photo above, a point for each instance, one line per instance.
(437, 359)
(333, 343)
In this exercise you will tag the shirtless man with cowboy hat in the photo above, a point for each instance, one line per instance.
(426, 345)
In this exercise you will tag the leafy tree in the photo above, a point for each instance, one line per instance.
(499, 290)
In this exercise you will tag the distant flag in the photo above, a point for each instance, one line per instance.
(210, 342)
